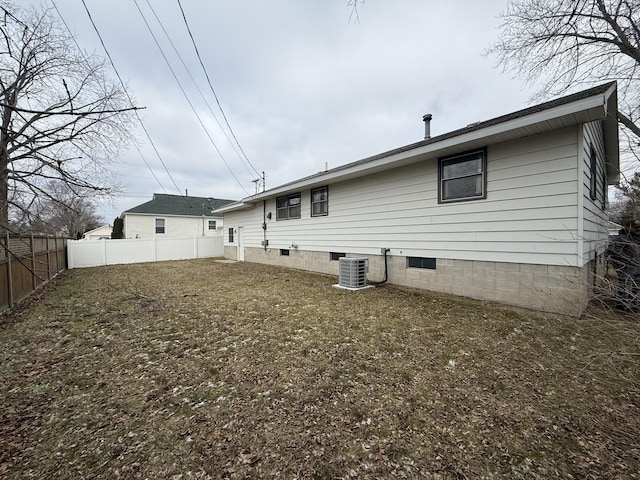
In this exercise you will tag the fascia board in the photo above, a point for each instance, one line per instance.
(146, 214)
(245, 204)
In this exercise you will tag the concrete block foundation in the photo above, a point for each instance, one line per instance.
(548, 288)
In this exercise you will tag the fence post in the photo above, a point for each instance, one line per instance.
(46, 239)
(55, 249)
(9, 275)
(34, 277)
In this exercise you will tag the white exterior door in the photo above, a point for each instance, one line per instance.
(240, 244)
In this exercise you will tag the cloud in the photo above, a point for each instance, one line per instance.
(300, 85)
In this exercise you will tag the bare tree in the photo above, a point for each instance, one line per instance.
(61, 117)
(629, 204)
(561, 44)
(69, 212)
(355, 15)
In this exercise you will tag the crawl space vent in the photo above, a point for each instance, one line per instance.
(353, 273)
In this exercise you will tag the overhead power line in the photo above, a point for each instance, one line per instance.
(144, 128)
(82, 53)
(195, 46)
(184, 93)
(245, 163)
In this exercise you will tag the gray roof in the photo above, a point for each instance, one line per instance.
(600, 89)
(164, 204)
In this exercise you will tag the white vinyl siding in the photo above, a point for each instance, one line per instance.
(143, 226)
(529, 215)
(251, 222)
(593, 236)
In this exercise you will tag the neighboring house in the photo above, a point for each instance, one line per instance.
(174, 216)
(98, 233)
(510, 209)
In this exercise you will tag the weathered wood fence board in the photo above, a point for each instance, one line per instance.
(26, 263)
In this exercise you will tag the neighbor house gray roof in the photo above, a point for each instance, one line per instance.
(164, 204)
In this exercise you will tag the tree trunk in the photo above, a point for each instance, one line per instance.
(4, 168)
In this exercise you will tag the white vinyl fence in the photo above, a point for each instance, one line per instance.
(93, 253)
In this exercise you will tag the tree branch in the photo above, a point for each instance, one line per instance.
(70, 112)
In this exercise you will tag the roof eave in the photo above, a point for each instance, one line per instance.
(235, 207)
(596, 107)
(612, 138)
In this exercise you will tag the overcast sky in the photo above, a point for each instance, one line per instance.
(302, 84)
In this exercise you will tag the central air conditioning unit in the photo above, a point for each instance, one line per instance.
(353, 273)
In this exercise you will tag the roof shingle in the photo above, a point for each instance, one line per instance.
(165, 204)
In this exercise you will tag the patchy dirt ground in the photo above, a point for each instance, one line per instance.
(200, 369)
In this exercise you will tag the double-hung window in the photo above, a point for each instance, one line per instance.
(212, 224)
(320, 202)
(160, 225)
(288, 207)
(462, 177)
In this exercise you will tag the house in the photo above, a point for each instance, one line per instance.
(510, 209)
(173, 216)
(99, 233)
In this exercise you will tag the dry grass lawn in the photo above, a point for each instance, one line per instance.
(201, 369)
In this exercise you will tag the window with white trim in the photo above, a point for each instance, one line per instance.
(462, 176)
(212, 224)
(288, 207)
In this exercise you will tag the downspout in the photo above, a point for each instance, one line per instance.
(264, 224)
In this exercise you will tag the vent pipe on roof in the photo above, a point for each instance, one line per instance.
(427, 125)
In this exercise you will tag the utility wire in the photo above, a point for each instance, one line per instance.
(82, 53)
(132, 104)
(195, 46)
(187, 97)
(200, 92)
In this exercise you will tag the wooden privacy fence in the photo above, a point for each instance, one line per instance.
(26, 263)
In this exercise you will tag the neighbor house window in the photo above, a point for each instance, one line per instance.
(320, 202)
(462, 177)
(159, 225)
(212, 224)
(593, 167)
(337, 255)
(288, 207)
(421, 262)
(231, 235)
